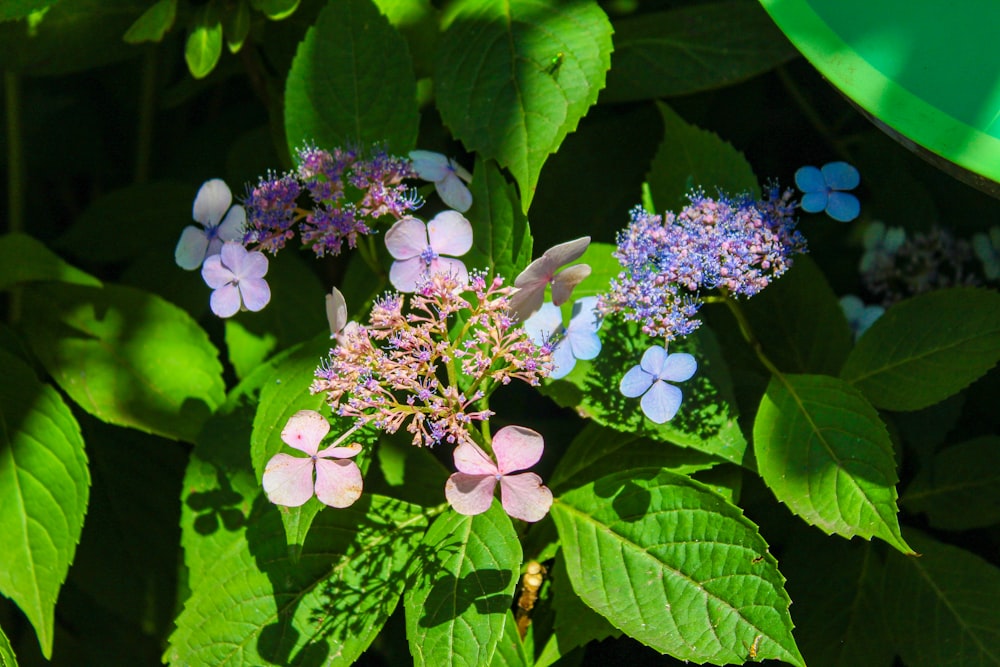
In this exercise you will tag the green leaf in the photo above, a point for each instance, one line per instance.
(25, 259)
(603, 267)
(417, 21)
(514, 78)
(44, 489)
(689, 157)
(237, 26)
(707, 420)
(7, 657)
(960, 488)
(276, 9)
(256, 604)
(799, 323)
(406, 472)
(693, 49)
(153, 24)
(510, 648)
(352, 82)
(673, 565)
(824, 452)
(204, 45)
(19, 9)
(501, 236)
(460, 588)
(125, 356)
(927, 348)
(836, 586)
(940, 609)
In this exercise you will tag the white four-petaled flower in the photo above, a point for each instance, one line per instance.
(418, 249)
(210, 205)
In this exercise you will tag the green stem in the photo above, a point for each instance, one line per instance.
(147, 113)
(747, 331)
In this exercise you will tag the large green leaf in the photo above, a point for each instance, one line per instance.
(940, 609)
(44, 489)
(258, 605)
(510, 648)
(959, 488)
(692, 49)
(125, 356)
(675, 566)
(927, 348)
(707, 420)
(690, 157)
(501, 238)
(514, 77)
(25, 259)
(460, 588)
(824, 452)
(352, 82)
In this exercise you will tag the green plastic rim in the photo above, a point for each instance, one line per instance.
(928, 71)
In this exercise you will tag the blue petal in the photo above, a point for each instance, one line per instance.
(652, 360)
(810, 179)
(543, 324)
(814, 202)
(841, 176)
(843, 206)
(585, 344)
(635, 382)
(562, 359)
(678, 367)
(661, 402)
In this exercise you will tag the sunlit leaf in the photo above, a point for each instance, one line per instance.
(24, 259)
(153, 24)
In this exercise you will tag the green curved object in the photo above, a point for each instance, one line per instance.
(929, 72)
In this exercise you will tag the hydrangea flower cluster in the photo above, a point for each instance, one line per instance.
(411, 368)
(735, 244)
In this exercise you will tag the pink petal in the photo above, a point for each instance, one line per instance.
(190, 251)
(526, 301)
(538, 273)
(214, 273)
(304, 430)
(566, 280)
(211, 202)
(250, 265)
(255, 292)
(340, 452)
(233, 255)
(564, 253)
(288, 480)
(404, 274)
(451, 267)
(336, 311)
(524, 497)
(470, 459)
(407, 238)
(517, 448)
(225, 301)
(470, 494)
(338, 483)
(450, 233)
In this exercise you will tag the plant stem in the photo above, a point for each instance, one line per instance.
(147, 113)
(744, 324)
(16, 176)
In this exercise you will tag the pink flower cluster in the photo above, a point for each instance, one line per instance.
(433, 367)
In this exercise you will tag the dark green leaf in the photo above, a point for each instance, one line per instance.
(825, 453)
(19, 9)
(927, 348)
(510, 648)
(237, 26)
(417, 21)
(352, 82)
(960, 488)
(153, 24)
(127, 357)
(514, 78)
(692, 49)
(675, 566)
(501, 236)
(276, 9)
(690, 157)
(24, 259)
(204, 45)
(44, 489)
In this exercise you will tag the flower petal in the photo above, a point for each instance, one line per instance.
(536, 274)
(225, 301)
(336, 311)
(635, 382)
(288, 480)
(453, 192)
(190, 251)
(304, 430)
(470, 494)
(652, 360)
(407, 238)
(852, 306)
(338, 483)
(524, 497)
(566, 280)
(215, 274)
(814, 202)
(250, 265)
(255, 292)
(405, 274)
(233, 255)
(527, 300)
(517, 448)
(233, 225)
(336, 452)
(543, 324)
(678, 367)
(841, 176)
(450, 233)
(661, 402)
(211, 202)
(452, 267)
(586, 345)
(842, 206)
(472, 460)
(810, 179)
(564, 253)
(585, 316)
(430, 166)
(563, 360)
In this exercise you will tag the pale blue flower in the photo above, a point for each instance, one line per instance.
(447, 177)
(880, 242)
(660, 400)
(578, 340)
(987, 249)
(219, 223)
(859, 316)
(823, 190)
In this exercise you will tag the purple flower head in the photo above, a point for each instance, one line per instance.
(859, 316)
(219, 223)
(272, 211)
(531, 283)
(660, 401)
(823, 190)
(288, 480)
(470, 490)
(579, 340)
(418, 249)
(447, 176)
(237, 276)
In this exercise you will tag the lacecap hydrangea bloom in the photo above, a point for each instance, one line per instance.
(651, 380)
(237, 280)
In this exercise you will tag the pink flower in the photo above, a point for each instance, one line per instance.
(210, 205)
(417, 249)
(237, 276)
(288, 480)
(447, 176)
(470, 490)
(532, 281)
